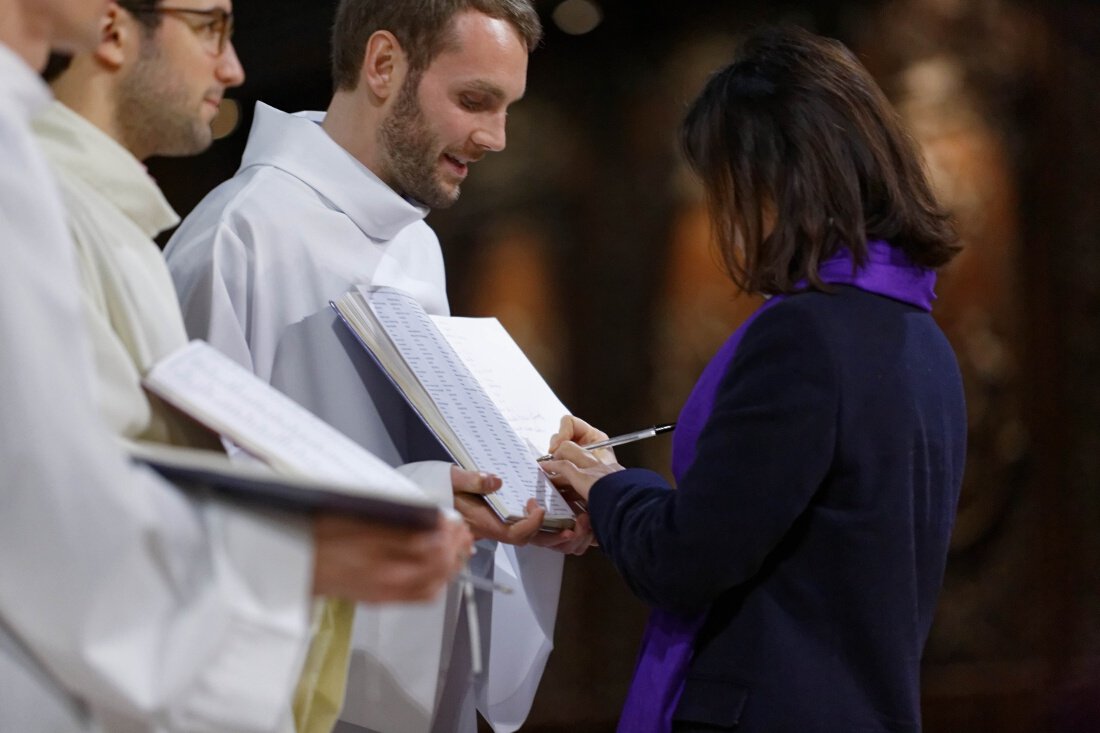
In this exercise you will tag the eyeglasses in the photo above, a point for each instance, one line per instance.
(215, 30)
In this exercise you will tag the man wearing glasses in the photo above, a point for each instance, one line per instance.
(124, 605)
(151, 87)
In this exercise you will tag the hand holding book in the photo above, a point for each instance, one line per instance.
(374, 562)
(473, 387)
(377, 537)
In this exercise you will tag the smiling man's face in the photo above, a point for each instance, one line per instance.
(455, 112)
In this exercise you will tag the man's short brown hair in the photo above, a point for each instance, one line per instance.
(422, 28)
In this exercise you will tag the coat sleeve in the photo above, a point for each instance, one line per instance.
(142, 604)
(762, 455)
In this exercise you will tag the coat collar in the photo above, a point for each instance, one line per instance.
(886, 272)
(86, 152)
(298, 145)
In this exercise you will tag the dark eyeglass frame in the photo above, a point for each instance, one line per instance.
(221, 20)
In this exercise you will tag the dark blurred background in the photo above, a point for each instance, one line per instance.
(589, 241)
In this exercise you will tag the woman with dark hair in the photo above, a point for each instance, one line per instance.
(818, 460)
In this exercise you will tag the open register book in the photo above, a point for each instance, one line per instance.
(474, 389)
(309, 464)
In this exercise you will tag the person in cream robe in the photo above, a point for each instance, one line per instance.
(310, 213)
(118, 105)
(114, 210)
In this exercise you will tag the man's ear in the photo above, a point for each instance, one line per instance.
(117, 32)
(384, 65)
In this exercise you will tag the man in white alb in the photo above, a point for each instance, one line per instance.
(124, 604)
(322, 202)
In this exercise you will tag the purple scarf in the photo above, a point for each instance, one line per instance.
(669, 637)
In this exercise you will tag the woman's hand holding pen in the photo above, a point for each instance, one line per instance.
(575, 430)
(574, 467)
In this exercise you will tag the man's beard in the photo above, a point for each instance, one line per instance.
(412, 151)
(154, 114)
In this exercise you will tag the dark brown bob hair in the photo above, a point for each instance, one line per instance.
(422, 27)
(801, 155)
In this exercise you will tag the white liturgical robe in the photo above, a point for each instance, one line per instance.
(124, 605)
(255, 266)
(114, 210)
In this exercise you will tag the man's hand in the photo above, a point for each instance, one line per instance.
(372, 562)
(470, 487)
(485, 524)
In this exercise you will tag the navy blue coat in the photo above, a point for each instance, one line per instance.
(813, 523)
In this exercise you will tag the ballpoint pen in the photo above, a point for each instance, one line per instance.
(624, 438)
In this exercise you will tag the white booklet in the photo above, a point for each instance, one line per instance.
(232, 401)
(474, 389)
